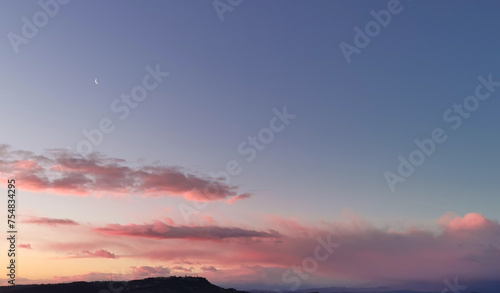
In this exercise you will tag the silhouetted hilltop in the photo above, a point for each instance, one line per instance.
(149, 285)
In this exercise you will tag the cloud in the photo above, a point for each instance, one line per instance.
(147, 271)
(471, 221)
(161, 230)
(183, 269)
(467, 246)
(49, 221)
(239, 197)
(101, 253)
(62, 172)
(209, 268)
(84, 242)
(27, 246)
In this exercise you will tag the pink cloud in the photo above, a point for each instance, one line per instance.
(63, 172)
(27, 246)
(239, 197)
(209, 220)
(101, 253)
(161, 230)
(467, 246)
(169, 221)
(147, 271)
(471, 221)
(49, 221)
(407, 256)
(182, 269)
(209, 268)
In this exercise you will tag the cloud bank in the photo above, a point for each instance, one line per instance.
(467, 247)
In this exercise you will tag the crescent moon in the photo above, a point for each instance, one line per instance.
(96, 81)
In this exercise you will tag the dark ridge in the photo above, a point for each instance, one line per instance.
(148, 285)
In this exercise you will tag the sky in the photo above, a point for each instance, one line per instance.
(260, 144)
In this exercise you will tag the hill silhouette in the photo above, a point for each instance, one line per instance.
(148, 285)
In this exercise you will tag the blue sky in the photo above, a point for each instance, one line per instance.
(226, 77)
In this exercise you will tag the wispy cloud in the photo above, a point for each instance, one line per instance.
(49, 221)
(101, 253)
(161, 230)
(239, 197)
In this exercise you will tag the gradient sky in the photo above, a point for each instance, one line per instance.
(119, 211)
